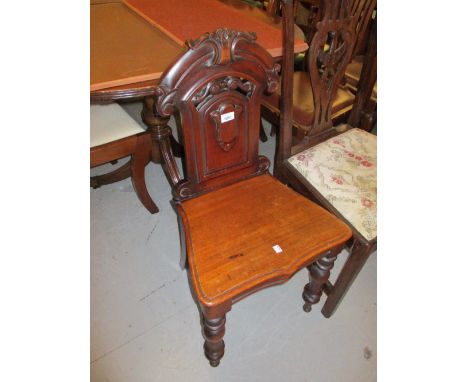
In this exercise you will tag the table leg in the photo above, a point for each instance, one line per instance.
(161, 135)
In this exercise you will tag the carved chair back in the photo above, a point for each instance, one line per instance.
(216, 86)
(331, 50)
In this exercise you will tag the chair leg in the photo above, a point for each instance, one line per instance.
(356, 260)
(213, 333)
(263, 136)
(183, 245)
(123, 172)
(319, 272)
(140, 159)
(274, 129)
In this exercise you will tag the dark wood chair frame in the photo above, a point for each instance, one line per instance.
(222, 72)
(336, 22)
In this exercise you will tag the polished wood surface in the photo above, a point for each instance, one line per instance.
(187, 19)
(128, 53)
(231, 254)
(125, 49)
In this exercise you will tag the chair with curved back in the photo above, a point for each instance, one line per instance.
(228, 203)
(339, 173)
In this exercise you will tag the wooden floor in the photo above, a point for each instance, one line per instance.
(145, 325)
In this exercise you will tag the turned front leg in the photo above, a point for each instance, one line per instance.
(213, 332)
(319, 272)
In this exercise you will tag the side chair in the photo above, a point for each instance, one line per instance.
(228, 204)
(339, 173)
(115, 135)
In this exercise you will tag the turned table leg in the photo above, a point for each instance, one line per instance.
(319, 272)
(161, 135)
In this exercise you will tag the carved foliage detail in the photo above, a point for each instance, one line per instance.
(226, 123)
(219, 48)
(223, 84)
(224, 40)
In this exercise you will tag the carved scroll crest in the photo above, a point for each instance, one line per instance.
(223, 84)
(224, 41)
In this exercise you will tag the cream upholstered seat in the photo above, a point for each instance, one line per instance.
(343, 170)
(110, 123)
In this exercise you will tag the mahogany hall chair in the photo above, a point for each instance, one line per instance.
(228, 204)
(115, 135)
(341, 172)
(310, 93)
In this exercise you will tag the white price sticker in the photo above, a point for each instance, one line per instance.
(277, 248)
(226, 117)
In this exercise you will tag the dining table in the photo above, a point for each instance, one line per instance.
(133, 42)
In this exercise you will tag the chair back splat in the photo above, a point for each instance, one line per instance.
(330, 52)
(216, 86)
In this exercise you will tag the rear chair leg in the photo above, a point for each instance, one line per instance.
(356, 260)
(263, 136)
(319, 272)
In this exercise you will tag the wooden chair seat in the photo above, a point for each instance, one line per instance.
(343, 170)
(232, 254)
(303, 102)
(110, 123)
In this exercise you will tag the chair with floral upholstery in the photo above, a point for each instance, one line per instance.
(339, 173)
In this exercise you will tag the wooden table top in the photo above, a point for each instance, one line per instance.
(133, 43)
(126, 49)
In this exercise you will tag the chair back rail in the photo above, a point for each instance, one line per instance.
(216, 86)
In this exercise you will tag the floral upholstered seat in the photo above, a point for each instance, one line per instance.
(343, 170)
